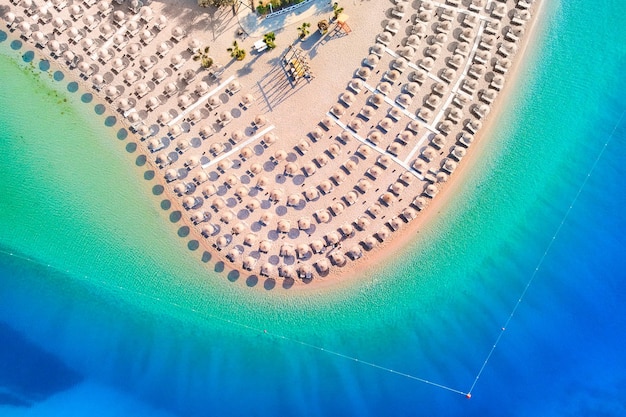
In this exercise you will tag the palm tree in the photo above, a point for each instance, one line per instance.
(203, 56)
(236, 52)
(337, 10)
(303, 30)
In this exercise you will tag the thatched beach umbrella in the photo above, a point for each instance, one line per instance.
(287, 250)
(209, 190)
(207, 230)
(170, 174)
(382, 233)
(189, 202)
(338, 258)
(233, 255)
(323, 216)
(248, 263)
(250, 239)
(374, 171)
(311, 193)
(431, 190)
(227, 216)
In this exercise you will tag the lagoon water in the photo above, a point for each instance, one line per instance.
(108, 307)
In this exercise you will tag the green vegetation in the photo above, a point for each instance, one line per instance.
(337, 10)
(203, 56)
(215, 3)
(269, 39)
(236, 52)
(303, 30)
(264, 5)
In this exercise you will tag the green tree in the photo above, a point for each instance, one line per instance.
(337, 10)
(215, 3)
(203, 56)
(269, 39)
(303, 30)
(236, 52)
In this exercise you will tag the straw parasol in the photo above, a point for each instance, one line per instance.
(364, 185)
(386, 123)
(303, 250)
(395, 223)
(209, 190)
(180, 189)
(374, 171)
(328, 122)
(338, 258)
(267, 270)
(304, 223)
(248, 263)
(431, 190)
(382, 233)
(233, 255)
(177, 32)
(323, 216)
(262, 182)
(363, 73)
(337, 208)
(253, 204)
(311, 193)
(397, 188)
(429, 153)
(250, 239)
(265, 246)
(322, 265)
(420, 203)
(362, 222)
(218, 203)
(364, 150)
(387, 198)
(458, 152)
(347, 97)
(333, 238)
(347, 229)
(256, 168)
(372, 60)
(198, 217)
(269, 138)
(321, 159)
(189, 202)
(375, 209)
(227, 217)
(355, 124)
(171, 174)
(207, 230)
(334, 149)
(287, 250)
(317, 245)
(438, 141)
(284, 226)
(276, 195)
(294, 199)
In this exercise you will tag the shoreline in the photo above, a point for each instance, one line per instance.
(399, 239)
(479, 148)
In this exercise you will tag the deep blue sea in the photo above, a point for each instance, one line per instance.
(107, 307)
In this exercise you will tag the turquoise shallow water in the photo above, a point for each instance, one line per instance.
(132, 318)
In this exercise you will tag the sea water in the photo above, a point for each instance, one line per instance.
(109, 307)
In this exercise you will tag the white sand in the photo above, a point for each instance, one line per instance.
(293, 111)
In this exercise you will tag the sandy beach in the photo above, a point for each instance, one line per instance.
(306, 162)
